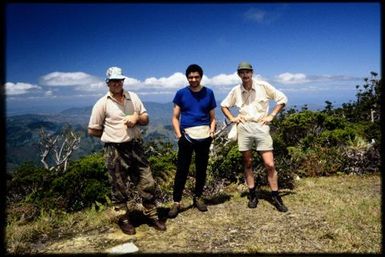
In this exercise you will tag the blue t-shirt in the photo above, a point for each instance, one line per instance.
(195, 106)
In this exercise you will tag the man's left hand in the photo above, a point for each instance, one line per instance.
(267, 119)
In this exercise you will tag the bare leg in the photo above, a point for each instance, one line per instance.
(272, 176)
(248, 168)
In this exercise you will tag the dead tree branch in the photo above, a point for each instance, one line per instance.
(56, 150)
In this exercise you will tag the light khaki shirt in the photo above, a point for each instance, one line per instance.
(253, 104)
(107, 115)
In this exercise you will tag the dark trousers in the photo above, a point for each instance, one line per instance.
(186, 149)
(127, 164)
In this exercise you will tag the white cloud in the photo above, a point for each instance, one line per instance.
(80, 81)
(307, 89)
(101, 86)
(301, 78)
(328, 86)
(164, 92)
(80, 84)
(98, 86)
(174, 81)
(19, 88)
(292, 78)
(131, 82)
(67, 79)
(332, 78)
(224, 80)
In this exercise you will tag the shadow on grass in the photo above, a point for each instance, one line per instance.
(212, 200)
(217, 199)
(163, 212)
(137, 217)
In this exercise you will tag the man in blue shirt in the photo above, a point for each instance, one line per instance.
(194, 122)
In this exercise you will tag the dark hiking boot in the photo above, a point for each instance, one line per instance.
(158, 225)
(199, 202)
(278, 203)
(174, 210)
(126, 226)
(151, 213)
(253, 199)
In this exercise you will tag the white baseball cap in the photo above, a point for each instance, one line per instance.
(114, 73)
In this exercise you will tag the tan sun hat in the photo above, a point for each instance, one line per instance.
(245, 66)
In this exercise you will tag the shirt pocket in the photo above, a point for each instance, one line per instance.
(260, 105)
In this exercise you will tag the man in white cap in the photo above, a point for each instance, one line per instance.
(115, 118)
(252, 97)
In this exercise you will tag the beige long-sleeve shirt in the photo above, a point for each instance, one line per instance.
(253, 104)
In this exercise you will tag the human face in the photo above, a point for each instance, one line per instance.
(194, 79)
(246, 76)
(116, 86)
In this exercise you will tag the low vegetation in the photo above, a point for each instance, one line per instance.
(337, 214)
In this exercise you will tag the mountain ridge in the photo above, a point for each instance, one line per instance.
(23, 131)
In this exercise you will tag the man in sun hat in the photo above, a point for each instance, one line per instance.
(252, 97)
(115, 118)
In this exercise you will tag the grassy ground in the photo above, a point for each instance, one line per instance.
(339, 214)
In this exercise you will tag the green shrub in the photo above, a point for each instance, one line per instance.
(336, 137)
(84, 182)
(27, 179)
(226, 164)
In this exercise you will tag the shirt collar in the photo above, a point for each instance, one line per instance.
(125, 93)
(243, 90)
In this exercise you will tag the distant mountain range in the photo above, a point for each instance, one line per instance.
(22, 131)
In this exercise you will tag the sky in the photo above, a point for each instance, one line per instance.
(57, 54)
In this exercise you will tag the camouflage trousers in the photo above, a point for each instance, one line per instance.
(130, 176)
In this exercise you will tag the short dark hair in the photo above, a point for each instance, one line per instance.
(194, 68)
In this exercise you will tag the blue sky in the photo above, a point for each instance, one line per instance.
(57, 54)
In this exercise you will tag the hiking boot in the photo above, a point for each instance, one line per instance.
(158, 225)
(126, 226)
(200, 204)
(278, 203)
(253, 200)
(174, 210)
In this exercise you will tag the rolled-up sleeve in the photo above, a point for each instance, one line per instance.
(138, 104)
(97, 115)
(278, 96)
(229, 100)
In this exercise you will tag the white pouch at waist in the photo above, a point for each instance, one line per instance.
(233, 133)
(198, 132)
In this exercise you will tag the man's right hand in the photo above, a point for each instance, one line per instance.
(238, 119)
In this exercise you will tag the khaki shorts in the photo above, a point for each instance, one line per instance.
(250, 132)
